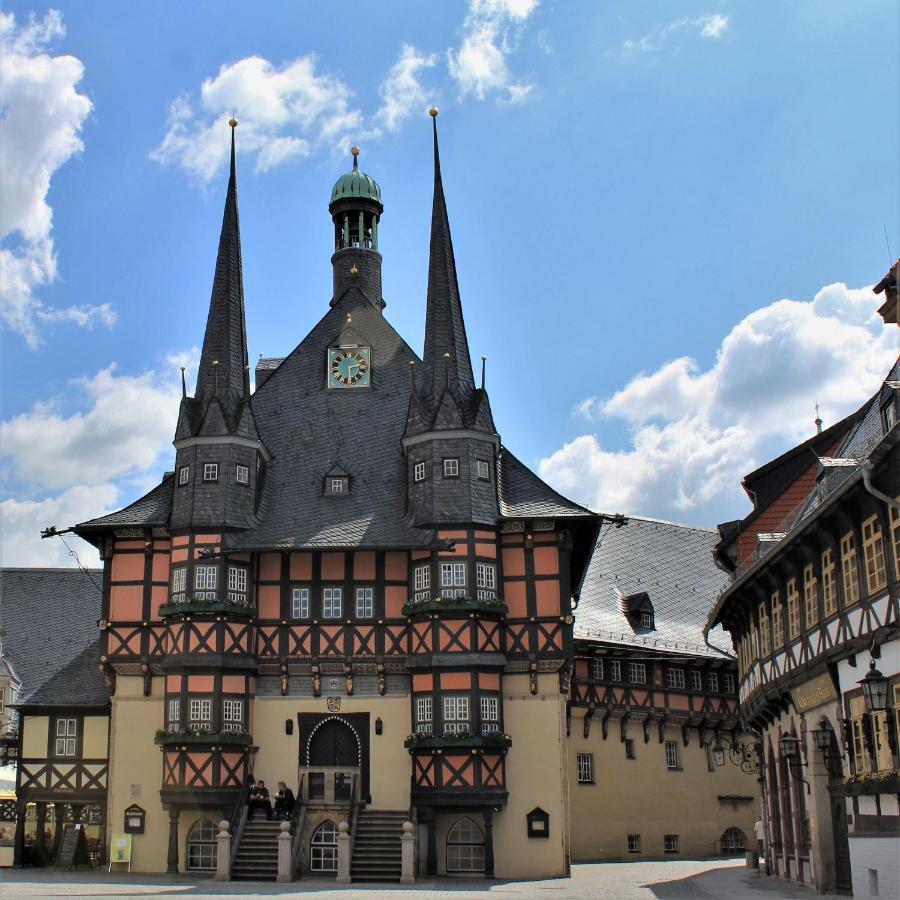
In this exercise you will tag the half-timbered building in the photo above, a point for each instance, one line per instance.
(350, 584)
(813, 615)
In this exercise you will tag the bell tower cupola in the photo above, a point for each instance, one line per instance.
(356, 210)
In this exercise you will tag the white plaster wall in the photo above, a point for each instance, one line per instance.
(888, 664)
(881, 854)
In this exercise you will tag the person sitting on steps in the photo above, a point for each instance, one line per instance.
(259, 799)
(284, 801)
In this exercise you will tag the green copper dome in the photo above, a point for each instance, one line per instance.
(356, 184)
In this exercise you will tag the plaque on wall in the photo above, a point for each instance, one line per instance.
(135, 817)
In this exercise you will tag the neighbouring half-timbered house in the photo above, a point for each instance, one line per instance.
(351, 585)
(59, 722)
(813, 614)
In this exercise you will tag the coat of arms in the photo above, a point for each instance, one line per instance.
(333, 704)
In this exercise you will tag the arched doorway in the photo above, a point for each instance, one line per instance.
(334, 743)
(201, 846)
(733, 840)
(323, 848)
(465, 847)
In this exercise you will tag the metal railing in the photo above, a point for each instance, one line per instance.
(237, 821)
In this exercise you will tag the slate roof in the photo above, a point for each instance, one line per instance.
(673, 564)
(151, 509)
(525, 496)
(49, 619)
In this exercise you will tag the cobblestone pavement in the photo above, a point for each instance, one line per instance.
(666, 880)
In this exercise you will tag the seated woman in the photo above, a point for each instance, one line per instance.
(259, 799)
(284, 801)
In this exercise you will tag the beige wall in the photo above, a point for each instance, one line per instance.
(34, 736)
(135, 774)
(642, 796)
(96, 734)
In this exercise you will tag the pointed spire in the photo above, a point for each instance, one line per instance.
(446, 355)
(224, 368)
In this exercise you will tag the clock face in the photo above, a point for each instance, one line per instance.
(349, 367)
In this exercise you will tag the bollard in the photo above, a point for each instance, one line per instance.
(284, 852)
(343, 853)
(408, 854)
(223, 853)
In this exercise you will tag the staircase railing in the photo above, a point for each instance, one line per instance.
(297, 818)
(237, 821)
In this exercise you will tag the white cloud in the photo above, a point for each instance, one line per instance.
(711, 25)
(284, 112)
(694, 434)
(402, 92)
(42, 116)
(479, 64)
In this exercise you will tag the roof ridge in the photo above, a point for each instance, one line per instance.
(700, 528)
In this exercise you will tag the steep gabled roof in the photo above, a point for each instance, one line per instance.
(147, 511)
(673, 565)
(77, 683)
(523, 495)
(49, 618)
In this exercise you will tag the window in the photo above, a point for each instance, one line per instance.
(202, 846)
(634, 843)
(323, 848)
(332, 602)
(66, 737)
(184, 475)
(729, 683)
(422, 581)
(597, 669)
(337, 485)
(860, 754)
(829, 591)
(713, 680)
(629, 749)
(365, 603)
(242, 475)
(232, 713)
(637, 673)
(424, 713)
(201, 710)
(646, 620)
(793, 605)
(777, 621)
(453, 579)
(205, 578)
(237, 583)
(486, 580)
(585, 768)
(615, 670)
(419, 471)
(300, 603)
(670, 843)
(484, 470)
(451, 468)
(732, 840)
(210, 471)
(671, 755)
(456, 715)
(873, 552)
(465, 847)
(849, 574)
(765, 635)
(174, 713)
(696, 681)
(675, 678)
(894, 517)
(888, 416)
(810, 595)
(490, 714)
(179, 580)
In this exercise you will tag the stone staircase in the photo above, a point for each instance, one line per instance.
(257, 854)
(376, 850)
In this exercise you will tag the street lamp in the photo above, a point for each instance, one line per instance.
(718, 752)
(875, 689)
(823, 736)
(790, 748)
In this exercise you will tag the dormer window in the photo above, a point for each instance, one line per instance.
(210, 471)
(638, 609)
(337, 483)
(646, 620)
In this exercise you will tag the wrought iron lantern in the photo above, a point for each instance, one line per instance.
(718, 752)
(875, 689)
(823, 737)
(790, 748)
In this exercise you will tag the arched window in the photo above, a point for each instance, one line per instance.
(323, 848)
(465, 847)
(201, 848)
(733, 840)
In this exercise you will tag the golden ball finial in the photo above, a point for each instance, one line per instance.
(433, 112)
(354, 151)
(232, 122)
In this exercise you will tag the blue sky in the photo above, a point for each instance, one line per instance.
(667, 218)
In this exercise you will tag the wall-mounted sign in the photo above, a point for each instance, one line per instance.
(814, 693)
(538, 823)
(134, 819)
(333, 704)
